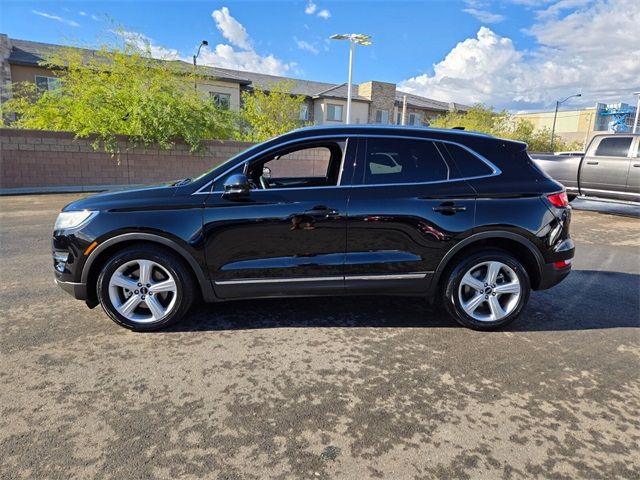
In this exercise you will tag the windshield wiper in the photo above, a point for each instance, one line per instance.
(184, 181)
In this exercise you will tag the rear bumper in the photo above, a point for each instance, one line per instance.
(550, 276)
(77, 290)
(550, 273)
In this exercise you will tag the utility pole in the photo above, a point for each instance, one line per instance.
(203, 43)
(404, 110)
(555, 116)
(635, 121)
(354, 39)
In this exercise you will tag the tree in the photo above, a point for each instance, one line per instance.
(120, 91)
(503, 124)
(268, 113)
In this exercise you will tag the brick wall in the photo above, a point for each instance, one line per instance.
(35, 159)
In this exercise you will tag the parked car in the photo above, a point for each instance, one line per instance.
(459, 217)
(610, 168)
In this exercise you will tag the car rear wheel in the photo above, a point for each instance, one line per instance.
(487, 290)
(145, 288)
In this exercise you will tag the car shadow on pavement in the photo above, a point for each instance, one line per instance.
(585, 300)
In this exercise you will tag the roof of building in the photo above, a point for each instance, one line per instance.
(423, 102)
(25, 52)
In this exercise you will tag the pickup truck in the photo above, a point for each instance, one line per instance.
(609, 168)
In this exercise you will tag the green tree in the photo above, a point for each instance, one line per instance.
(503, 124)
(266, 113)
(120, 91)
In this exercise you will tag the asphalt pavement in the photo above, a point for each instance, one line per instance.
(332, 388)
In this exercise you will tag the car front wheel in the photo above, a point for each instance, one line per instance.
(145, 288)
(487, 290)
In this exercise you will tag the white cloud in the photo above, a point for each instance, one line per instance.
(555, 9)
(82, 14)
(480, 10)
(310, 9)
(246, 58)
(56, 18)
(225, 56)
(231, 29)
(484, 16)
(590, 50)
(304, 45)
(143, 42)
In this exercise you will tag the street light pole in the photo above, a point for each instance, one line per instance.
(635, 121)
(354, 39)
(555, 116)
(203, 43)
(352, 47)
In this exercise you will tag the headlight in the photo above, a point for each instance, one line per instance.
(67, 220)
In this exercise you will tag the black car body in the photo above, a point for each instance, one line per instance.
(326, 211)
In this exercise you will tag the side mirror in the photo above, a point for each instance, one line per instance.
(237, 186)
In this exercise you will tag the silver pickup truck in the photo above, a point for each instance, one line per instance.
(610, 168)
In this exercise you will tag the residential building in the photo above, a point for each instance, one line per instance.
(372, 102)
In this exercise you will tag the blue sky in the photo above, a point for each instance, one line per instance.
(518, 54)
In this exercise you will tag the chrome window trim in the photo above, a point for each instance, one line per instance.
(495, 170)
(251, 281)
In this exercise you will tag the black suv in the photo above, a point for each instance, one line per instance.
(455, 216)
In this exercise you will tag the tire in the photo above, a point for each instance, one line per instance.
(165, 297)
(480, 310)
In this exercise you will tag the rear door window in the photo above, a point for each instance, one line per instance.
(614, 147)
(397, 161)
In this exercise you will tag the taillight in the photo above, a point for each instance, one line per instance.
(562, 264)
(559, 199)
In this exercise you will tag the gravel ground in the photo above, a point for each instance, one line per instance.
(322, 388)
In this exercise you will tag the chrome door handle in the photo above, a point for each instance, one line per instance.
(592, 163)
(320, 212)
(449, 208)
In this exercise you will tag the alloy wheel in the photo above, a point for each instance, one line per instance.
(489, 291)
(143, 291)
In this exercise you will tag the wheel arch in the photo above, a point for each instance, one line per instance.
(109, 247)
(516, 244)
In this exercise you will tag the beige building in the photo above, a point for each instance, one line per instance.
(326, 103)
(581, 125)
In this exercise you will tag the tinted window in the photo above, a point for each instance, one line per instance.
(468, 164)
(306, 162)
(390, 160)
(614, 147)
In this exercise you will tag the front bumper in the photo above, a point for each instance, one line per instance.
(77, 290)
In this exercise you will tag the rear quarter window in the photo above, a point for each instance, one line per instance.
(468, 164)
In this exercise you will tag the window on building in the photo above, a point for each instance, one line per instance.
(222, 100)
(46, 84)
(614, 147)
(304, 112)
(382, 116)
(415, 119)
(334, 112)
(399, 118)
(397, 161)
